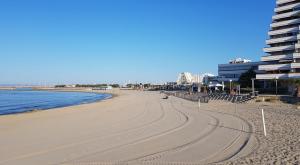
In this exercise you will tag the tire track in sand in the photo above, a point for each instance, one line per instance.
(186, 121)
(228, 147)
(242, 132)
(158, 155)
(95, 138)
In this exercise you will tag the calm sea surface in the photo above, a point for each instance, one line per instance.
(17, 101)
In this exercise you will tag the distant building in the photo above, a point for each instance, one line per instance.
(207, 78)
(283, 50)
(71, 86)
(187, 78)
(171, 83)
(239, 61)
(235, 69)
(103, 88)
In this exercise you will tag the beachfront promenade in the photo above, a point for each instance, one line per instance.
(133, 128)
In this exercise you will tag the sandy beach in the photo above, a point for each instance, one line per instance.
(142, 128)
(282, 144)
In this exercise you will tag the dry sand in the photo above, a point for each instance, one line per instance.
(282, 144)
(142, 128)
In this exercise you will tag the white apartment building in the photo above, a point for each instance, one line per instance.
(283, 51)
(186, 78)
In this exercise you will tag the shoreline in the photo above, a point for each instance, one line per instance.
(141, 127)
(112, 96)
(85, 90)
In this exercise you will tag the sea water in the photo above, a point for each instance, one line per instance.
(24, 100)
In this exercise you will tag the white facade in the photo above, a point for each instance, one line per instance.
(239, 61)
(188, 78)
(207, 78)
(71, 86)
(283, 51)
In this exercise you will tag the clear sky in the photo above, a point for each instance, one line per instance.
(104, 41)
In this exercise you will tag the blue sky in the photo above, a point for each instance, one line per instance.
(97, 41)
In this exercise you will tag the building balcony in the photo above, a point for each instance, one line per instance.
(227, 79)
(277, 76)
(285, 23)
(280, 57)
(281, 40)
(286, 15)
(296, 55)
(277, 58)
(271, 76)
(295, 65)
(287, 7)
(279, 2)
(294, 75)
(284, 31)
(279, 48)
(274, 67)
(221, 73)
